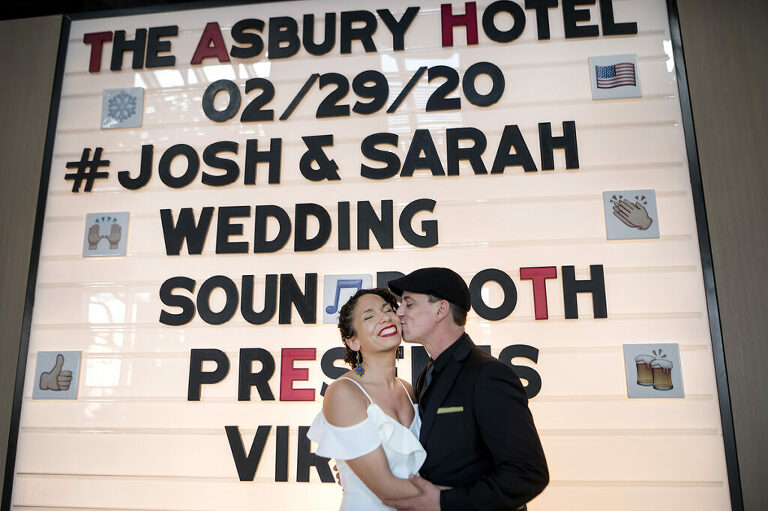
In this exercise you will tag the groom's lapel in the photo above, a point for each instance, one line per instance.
(443, 386)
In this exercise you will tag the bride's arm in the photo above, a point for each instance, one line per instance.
(344, 405)
(373, 470)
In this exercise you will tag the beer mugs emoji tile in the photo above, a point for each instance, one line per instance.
(57, 374)
(653, 370)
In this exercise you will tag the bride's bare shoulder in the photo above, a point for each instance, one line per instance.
(344, 404)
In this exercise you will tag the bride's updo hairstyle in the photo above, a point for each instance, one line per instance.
(347, 319)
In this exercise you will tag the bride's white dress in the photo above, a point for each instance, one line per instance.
(405, 454)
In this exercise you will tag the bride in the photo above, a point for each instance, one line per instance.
(369, 422)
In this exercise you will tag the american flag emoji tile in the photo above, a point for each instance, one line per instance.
(614, 77)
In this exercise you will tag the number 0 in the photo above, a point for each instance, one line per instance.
(470, 77)
(210, 95)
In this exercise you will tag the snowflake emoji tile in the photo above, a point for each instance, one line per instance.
(122, 108)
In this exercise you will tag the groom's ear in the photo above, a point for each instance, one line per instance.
(442, 310)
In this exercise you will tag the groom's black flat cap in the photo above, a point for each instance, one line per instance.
(440, 282)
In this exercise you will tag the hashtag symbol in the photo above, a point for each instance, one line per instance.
(86, 169)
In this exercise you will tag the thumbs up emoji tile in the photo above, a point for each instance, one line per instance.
(57, 375)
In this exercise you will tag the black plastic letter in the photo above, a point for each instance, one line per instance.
(512, 138)
(136, 46)
(567, 142)
(204, 298)
(307, 459)
(382, 228)
(398, 28)
(271, 156)
(330, 370)
(185, 229)
(247, 464)
(270, 300)
(241, 34)
(261, 216)
(155, 46)
(259, 380)
(529, 374)
(145, 171)
(329, 37)
(305, 303)
(571, 17)
(343, 225)
(542, 15)
(198, 377)
(164, 168)
(428, 227)
(472, 154)
(508, 289)
(370, 151)
(186, 304)
(595, 285)
(518, 23)
(300, 241)
(225, 229)
(283, 39)
(209, 96)
(610, 27)
(364, 34)
(422, 142)
(212, 159)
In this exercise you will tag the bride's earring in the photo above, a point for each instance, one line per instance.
(359, 369)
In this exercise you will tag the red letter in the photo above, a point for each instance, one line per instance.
(211, 45)
(289, 374)
(97, 40)
(539, 275)
(448, 21)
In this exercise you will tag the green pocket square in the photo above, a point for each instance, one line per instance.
(450, 409)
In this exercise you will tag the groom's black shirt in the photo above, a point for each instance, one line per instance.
(431, 375)
(478, 432)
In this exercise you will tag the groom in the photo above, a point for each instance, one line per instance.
(476, 427)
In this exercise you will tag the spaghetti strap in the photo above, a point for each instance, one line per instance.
(358, 386)
(406, 390)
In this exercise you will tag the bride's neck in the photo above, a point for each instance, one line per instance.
(379, 368)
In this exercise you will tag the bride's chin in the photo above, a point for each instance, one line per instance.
(391, 347)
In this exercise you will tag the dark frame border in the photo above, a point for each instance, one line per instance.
(707, 266)
(705, 250)
(34, 259)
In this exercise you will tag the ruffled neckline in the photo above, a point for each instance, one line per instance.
(396, 436)
(378, 428)
(387, 416)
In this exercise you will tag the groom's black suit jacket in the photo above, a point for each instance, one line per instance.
(478, 433)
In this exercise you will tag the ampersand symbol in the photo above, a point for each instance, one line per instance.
(323, 168)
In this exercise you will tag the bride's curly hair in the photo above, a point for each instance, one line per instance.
(346, 319)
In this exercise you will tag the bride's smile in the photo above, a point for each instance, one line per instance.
(388, 331)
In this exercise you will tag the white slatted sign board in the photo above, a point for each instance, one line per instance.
(132, 440)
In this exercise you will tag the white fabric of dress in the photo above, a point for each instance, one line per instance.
(405, 454)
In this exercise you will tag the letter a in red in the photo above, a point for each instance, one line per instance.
(211, 45)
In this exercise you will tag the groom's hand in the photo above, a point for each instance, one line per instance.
(427, 500)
